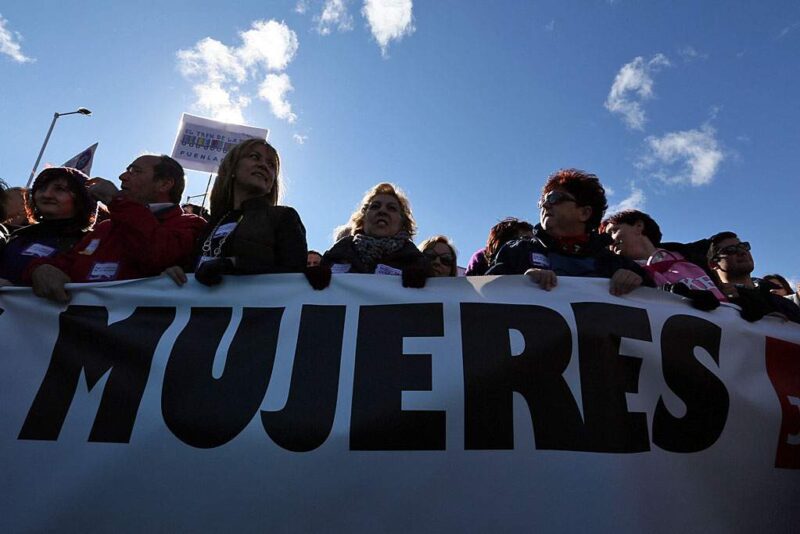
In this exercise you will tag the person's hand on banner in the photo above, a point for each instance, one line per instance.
(210, 272)
(176, 274)
(319, 276)
(49, 281)
(546, 279)
(624, 281)
(102, 189)
(414, 276)
(698, 298)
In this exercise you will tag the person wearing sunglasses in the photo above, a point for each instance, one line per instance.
(732, 264)
(566, 242)
(441, 255)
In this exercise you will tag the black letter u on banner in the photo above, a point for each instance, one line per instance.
(204, 411)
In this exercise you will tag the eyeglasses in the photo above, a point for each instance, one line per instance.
(730, 250)
(554, 197)
(446, 259)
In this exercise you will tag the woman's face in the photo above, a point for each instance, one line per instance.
(781, 291)
(442, 259)
(255, 173)
(55, 200)
(383, 217)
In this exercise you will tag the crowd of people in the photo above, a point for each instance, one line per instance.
(54, 234)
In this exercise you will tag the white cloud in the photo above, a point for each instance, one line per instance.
(301, 7)
(214, 60)
(9, 43)
(273, 89)
(334, 14)
(635, 201)
(299, 139)
(221, 72)
(788, 29)
(632, 86)
(389, 20)
(269, 43)
(550, 26)
(689, 53)
(691, 156)
(223, 104)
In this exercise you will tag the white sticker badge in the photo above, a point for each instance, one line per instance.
(340, 268)
(225, 229)
(38, 250)
(90, 248)
(104, 271)
(386, 270)
(539, 260)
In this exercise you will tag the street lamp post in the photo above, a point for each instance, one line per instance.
(81, 111)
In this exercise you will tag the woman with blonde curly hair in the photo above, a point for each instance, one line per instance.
(377, 239)
(248, 233)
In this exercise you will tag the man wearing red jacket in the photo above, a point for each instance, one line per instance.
(146, 232)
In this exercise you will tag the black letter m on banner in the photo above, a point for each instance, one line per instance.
(86, 342)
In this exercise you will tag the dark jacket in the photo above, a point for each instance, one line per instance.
(759, 301)
(343, 251)
(43, 239)
(542, 251)
(267, 239)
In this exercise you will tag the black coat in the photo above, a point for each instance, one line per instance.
(344, 251)
(267, 239)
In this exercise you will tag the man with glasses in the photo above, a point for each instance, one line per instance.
(731, 261)
(566, 241)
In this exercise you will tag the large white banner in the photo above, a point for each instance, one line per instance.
(201, 143)
(475, 404)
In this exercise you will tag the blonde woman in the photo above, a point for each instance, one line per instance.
(248, 233)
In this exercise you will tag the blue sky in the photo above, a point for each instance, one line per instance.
(688, 110)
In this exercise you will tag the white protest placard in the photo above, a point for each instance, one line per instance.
(202, 143)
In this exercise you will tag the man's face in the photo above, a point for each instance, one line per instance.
(138, 181)
(313, 259)
(732, 258)
(560, 214)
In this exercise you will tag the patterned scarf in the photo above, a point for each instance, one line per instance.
(372, 249)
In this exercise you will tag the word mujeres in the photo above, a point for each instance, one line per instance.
(204, 411)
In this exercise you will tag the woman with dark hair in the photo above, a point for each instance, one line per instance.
(63, 212)
(782, 287)
(248, 233)
(441, 255)
(501, 233)
(377, 240)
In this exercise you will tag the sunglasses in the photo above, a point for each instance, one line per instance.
(554, 197)
(730, 250)
(446, 259)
